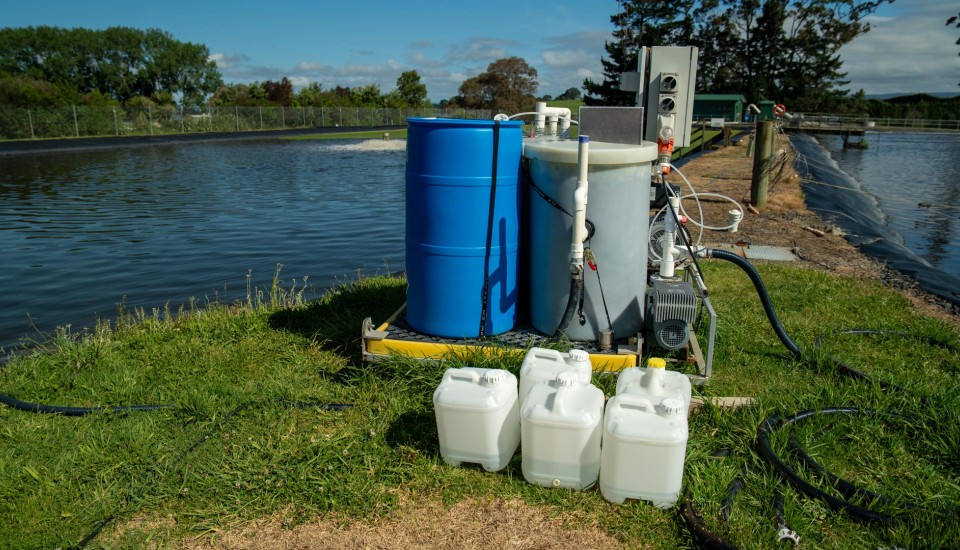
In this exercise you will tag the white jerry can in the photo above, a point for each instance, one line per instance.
(644, 447)
(478, 417)
(543, 365)
(560, 423)
(655, 382)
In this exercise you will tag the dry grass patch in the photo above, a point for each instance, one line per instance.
(472, 523)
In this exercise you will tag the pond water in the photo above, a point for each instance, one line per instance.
(82, 232)
(898, 200)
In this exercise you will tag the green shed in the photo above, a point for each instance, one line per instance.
(726, 106)
(766, 109)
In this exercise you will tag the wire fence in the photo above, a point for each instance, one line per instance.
(820, 120)
(80, 121)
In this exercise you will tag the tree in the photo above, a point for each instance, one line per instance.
(279, 93)
(786, 50)
(951, 20)
(569, 94)
(410, 91)
(641, 23)
(507, 86)
(119, 62)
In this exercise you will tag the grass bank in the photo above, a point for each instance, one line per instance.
(242, 441)
(374, 134)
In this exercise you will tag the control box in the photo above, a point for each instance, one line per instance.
(671, 84)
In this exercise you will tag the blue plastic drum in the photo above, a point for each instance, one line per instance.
(461, 256)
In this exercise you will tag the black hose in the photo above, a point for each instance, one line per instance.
(736, 484)
(793, 478)
(762, 293)
(573, 301)
(698, 528)
(26, 406)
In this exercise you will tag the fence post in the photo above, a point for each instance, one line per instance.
(236, 115)
(30, 120)
(261, 117)
(182, 128)
(149, 118)
(341, 116)
(116, 127)
(761, 164)
(76, 127)
(322, 121)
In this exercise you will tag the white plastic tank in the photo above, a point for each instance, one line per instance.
(655, 382)
(560, 423)
(478, 417)
(544, 364)
(617, 205)
(644, 447)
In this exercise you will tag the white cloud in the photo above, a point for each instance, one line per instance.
(225, 61)
(912, 51)
(479, 49)
(567, 58)
(309, 67)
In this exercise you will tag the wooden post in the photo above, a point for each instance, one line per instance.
(761, 164)
(703, 135)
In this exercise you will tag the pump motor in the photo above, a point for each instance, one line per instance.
(671, 310)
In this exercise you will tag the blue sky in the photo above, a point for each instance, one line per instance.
(353, 43)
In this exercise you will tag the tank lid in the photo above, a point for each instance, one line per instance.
(567, 379)
(462, 122)
(579, 355)
(656, 363)
(601, 153)
(671, 405)
(494, 377)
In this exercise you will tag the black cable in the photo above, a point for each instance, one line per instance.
(491, 218)
(540, 192)
(95, 532)
(854, 373)
(27, 406)
(596, 267)
(684, 235)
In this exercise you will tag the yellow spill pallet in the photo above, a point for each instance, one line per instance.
(395, 337)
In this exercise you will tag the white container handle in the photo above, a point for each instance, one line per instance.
(462, 374)
(635, 402)
(547, 353)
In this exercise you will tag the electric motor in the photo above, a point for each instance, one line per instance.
(671, 310)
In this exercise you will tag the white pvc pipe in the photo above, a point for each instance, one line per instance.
(669, 239)
(579, 233)
(549, 115)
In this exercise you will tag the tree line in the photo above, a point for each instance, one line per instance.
(52, 65)
(783, 50)
(49, 66)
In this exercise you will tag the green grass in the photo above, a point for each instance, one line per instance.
(231, 449)
(373, 134)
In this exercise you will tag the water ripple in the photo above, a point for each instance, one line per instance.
(81, 232)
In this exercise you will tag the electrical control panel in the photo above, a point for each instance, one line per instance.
(671, 73)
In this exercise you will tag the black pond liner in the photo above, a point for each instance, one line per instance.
(859, 215)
